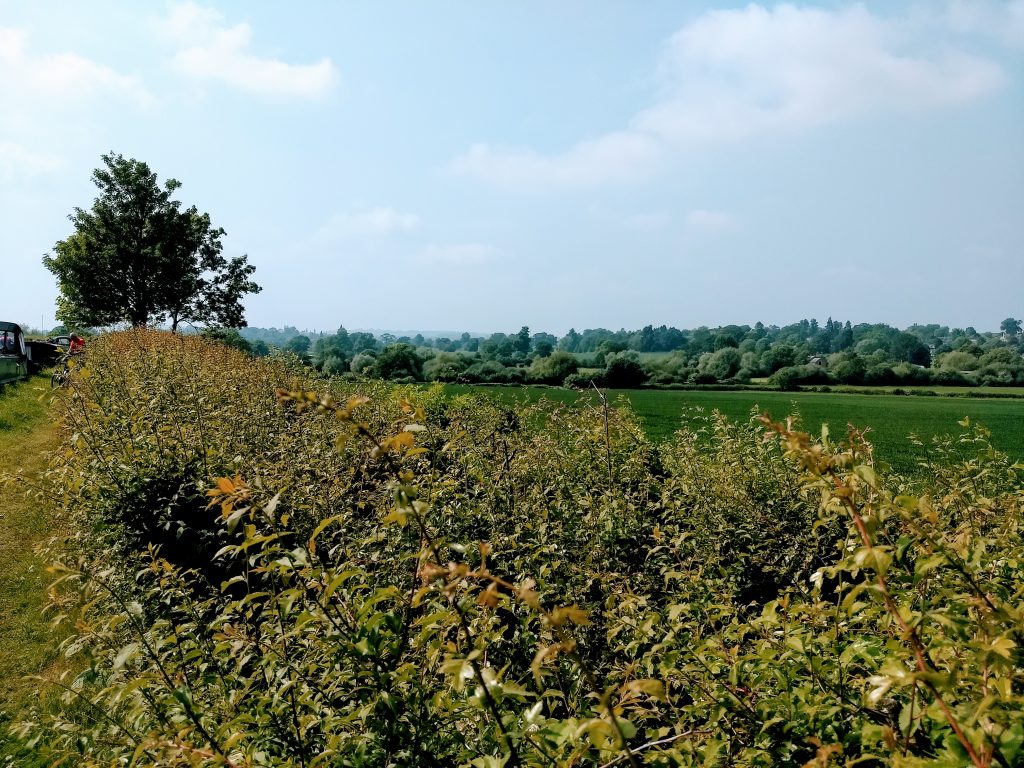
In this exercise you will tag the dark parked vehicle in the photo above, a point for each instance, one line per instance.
(61, 341)
(14, 360)
(42, 354)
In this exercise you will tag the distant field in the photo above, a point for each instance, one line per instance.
(648, 357)
(891, 418)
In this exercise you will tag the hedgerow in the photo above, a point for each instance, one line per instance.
(277, 571)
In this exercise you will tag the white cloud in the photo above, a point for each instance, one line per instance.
(456, 255)
(211, 50)
(44, 96)
(57, 78)
(18, 161)
(709, 221)
(368, 222)
(734, 74)
(740, 73)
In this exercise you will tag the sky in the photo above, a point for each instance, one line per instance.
(483, 166)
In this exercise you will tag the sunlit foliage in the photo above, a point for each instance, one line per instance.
(271, 572)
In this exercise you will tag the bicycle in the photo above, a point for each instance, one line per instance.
(62, 375)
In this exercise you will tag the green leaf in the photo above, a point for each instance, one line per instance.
(867, 474)
(125, 654)
(926, 565)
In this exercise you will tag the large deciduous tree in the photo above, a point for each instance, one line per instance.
(136, 256)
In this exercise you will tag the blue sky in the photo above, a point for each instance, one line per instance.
(482, 166)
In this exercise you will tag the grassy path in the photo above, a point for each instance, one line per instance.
(27, 643)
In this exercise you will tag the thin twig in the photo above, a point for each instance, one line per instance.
(652, 745)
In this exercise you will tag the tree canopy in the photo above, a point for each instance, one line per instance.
(136, 256)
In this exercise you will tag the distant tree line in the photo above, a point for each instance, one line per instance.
(803, 353)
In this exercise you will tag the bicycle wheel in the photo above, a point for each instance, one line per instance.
(58, 379)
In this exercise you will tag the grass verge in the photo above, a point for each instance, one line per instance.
(27, 643)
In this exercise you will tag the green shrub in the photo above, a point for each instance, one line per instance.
(554, 368)
(622, 372)
(427, 580)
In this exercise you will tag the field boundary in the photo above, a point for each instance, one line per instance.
(983, 393)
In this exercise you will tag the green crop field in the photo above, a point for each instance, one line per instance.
(890, 418)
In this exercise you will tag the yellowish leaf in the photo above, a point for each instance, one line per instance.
(569, 614)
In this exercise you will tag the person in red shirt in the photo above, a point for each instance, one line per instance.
(77, 344)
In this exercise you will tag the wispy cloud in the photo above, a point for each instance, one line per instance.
(19, 161)
(701, 220)
(213, 51)
(457, 255)
(368, 222)
(735, 74)
(651, 221)
(997, 19)
(27, 76)
(39, 94)
(620, 156)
